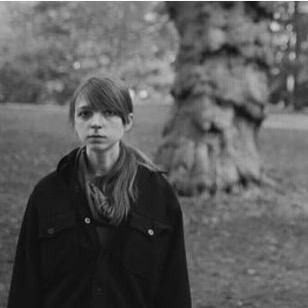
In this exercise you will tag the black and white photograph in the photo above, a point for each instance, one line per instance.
(153, 154)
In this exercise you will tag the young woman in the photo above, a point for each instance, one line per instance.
(105, 228)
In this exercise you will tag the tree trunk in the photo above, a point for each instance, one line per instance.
(220, 93)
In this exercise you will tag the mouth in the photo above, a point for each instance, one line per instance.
(96, 137)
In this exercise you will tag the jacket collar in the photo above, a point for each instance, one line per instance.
(66, 167)
(67, 164)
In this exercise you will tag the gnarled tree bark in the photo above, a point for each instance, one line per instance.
(220, 91)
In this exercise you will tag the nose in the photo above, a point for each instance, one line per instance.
(97, 120)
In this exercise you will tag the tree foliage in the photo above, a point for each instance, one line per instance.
(290, 42)
(55, 44)
(47, 47)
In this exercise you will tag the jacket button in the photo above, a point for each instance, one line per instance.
(151, 232)
(51, 231)
(87, 220)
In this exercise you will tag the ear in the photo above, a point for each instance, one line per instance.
(130, 121)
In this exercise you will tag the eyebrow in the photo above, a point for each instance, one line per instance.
(84, 107)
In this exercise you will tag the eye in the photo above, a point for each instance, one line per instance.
(84, 114)
(109, 113)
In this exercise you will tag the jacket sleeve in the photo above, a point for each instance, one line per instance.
(174, 289)
(25, 290)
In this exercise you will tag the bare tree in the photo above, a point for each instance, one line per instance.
(220, 92)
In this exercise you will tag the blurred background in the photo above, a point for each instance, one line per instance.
(48, 47)
(246, 249)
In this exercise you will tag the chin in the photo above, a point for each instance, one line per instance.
(97, 147)
(102, 147)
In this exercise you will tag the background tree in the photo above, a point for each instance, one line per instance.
(49, 46)
(290, 43)
(220, 94)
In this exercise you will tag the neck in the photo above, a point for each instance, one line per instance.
(101, 162)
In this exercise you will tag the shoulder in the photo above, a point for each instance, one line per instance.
(58, 180)
(157, 198)
(48, 183)
(50, 194)
(40, 192)
(155, 191)
(154, 179)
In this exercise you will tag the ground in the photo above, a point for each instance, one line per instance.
(242, 252)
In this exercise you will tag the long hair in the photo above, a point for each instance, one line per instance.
(119, 185)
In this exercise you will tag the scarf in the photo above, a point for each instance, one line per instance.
(93, 187)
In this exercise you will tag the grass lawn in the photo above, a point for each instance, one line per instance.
(248, 252)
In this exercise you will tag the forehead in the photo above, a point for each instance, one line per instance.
(81, 103)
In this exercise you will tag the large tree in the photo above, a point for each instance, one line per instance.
(220, 95)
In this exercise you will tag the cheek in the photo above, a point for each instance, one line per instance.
(80, 129)
(117, 129)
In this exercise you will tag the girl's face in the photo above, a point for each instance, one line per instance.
(99, 130)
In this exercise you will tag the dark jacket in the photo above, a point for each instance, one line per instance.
(60, 262)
